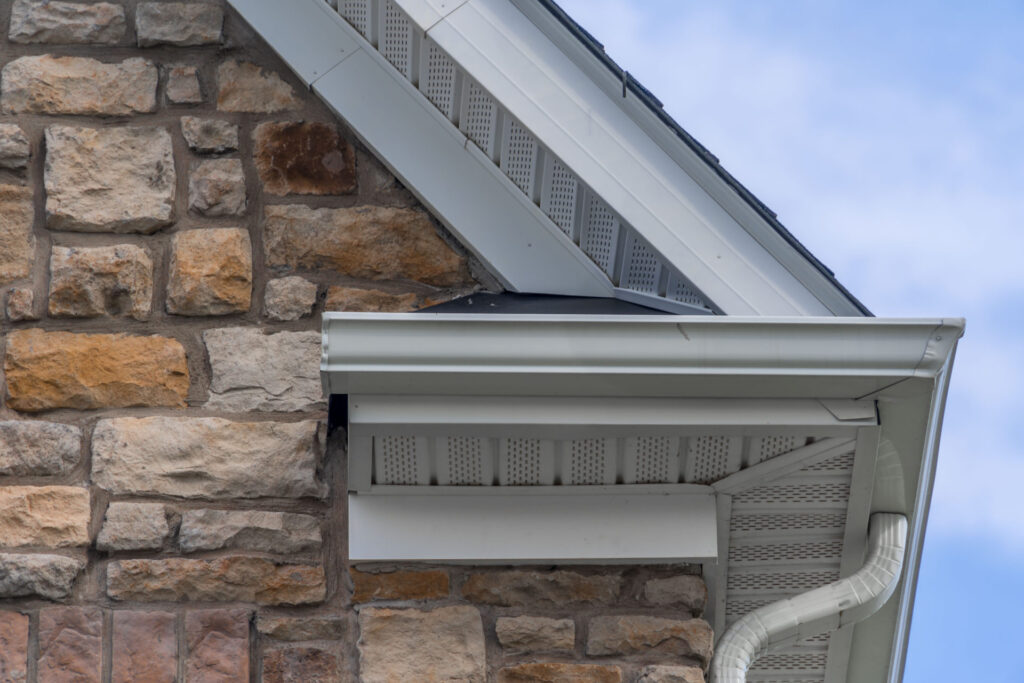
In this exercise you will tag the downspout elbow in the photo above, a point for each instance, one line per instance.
(821, 610)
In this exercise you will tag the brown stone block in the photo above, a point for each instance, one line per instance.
(17, 243)
(293, 157)
(368, 300)
(54, 516)
(302, 665)
(218, 646)
(524, 588)
(228, 579)
(70, 645)
(47, 370)
(372, 242)
(399, 585)
(536, 634)
(145, 647)
(211, 272)
(687, 590)
(557, 672)
(671, 674)
(50, 576)
(13, 647)
(302, 628)
(87, 282)
(631, 635)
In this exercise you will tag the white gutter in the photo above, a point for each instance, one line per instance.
(821, 610)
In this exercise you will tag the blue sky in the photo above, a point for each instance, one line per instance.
(889, 138)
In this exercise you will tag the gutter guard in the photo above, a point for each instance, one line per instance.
(821, 610)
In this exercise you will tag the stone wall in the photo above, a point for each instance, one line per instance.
(175, 213)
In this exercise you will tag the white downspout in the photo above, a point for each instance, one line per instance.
(821, 610)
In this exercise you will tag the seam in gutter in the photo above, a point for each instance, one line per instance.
(821, 610)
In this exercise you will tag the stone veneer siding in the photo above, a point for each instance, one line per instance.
(175, 213)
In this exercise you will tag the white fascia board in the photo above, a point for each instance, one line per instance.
(587, 130)
(566, 528)
(468, 194)
(653, 356)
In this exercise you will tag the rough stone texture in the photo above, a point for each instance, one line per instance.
(289, 298)
(48, 370)
(206, 457)
(216, 187)
(302, 628)
(525, 588)
(48, 576)
(46, 84)
(245, 87)
(34, 449)
(87, 282)
(368, 242)
(293, 157)
(133, 526)
(109, 179)
(302, 665)
(53, 516)
(536, 634)
(211, 272)
(356, 299)
(671, 674)
(228, 579)
(17, 243)
(278, 371)
(145, 647)
(70, 645)
(209, 136)
(21, 304)
(218, 646)
(13, 647)
(629, 635)
(446, 644)
(271, 532)
(687, 590)
(14, 147)
(178, 23)
(399, 585)
(557, 672)
(66, 23)
(183, 85)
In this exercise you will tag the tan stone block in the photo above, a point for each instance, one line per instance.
(302, 665)
(33, 449)
(560, 672)
(145, 647)
(211, 272)
(289, 298)
(47, 84)
(687, 590)
(133, 526)
(368, 300)
(671, 674)
(66, 23)
(114, 179)
(48, 576)
(47, 370)
(227, 579)
(446, 644)
(641, 634)
(302, 628)
(267, 531)
(17, 242)
(216, 187)
(54, 516)
(183, 85)
(14, 147)
(21, 304)
(209, 136)
(178, 23)
(70, 645)
(246, 87)
(293, 157)
(218, 646)
(13, 647)
(527, 634)
(399, 585)
(89, 282)
(519, 588)
(371, 242)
